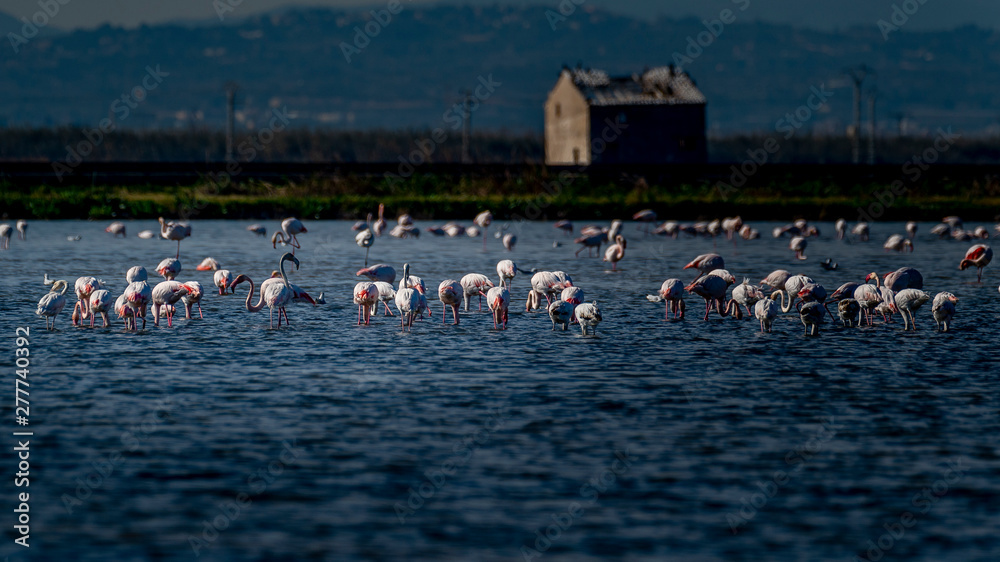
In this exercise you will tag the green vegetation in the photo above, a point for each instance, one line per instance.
(531, 194)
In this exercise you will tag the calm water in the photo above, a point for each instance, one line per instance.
(328, 441)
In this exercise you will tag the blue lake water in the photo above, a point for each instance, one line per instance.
(221, 439)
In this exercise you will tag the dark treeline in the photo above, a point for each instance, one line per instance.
(300, 145)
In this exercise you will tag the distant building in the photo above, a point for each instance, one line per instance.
(653, 118)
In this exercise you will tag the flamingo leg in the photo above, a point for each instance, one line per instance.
(367, 248)
(178, 249)
(454, 311)
(200, 315)
(480, 301)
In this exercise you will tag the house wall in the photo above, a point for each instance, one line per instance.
(567, 130)
(648, 134)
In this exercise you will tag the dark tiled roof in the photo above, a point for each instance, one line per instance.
(656, 86)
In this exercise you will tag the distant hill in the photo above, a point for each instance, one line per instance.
(11, 24)
(415, 69)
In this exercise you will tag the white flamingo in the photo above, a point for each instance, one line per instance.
(366, 297)
(475, 284)
(169, 268)
(290, 229)
(100, 303)
(208, 264)
(379, 272)
(273, 295)
(167, 293)
(450, 293)
(615, 252)
(222, 279)
(561, 312)
(52, 303)
(672, 295)
(766, 310)
(174, 231)
(22, 229)
(589, 316)
(907, 302)
(484, 220)
(498, 300)
(407, 301)
(193, 297)
(943, 310)
(116, 229)
(138, 296)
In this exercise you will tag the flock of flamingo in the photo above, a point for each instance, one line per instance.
(857, 303)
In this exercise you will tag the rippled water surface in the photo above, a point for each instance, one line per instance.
(221, 439)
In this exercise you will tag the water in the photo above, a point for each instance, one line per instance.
(224, 437)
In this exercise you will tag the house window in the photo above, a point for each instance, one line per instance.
(576, 155)
(558, 110)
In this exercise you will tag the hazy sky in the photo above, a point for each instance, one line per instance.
(823, 14)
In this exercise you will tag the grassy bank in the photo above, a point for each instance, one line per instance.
(528, 196)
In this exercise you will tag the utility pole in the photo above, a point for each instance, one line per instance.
(858, 75)
(231, 88)
(466, 127)
(872, 94)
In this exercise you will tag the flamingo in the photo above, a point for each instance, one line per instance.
(907, 302)
(980, 256)
(645, 216)
(453, 230)
(814, 292)
(290, 229)
(798, 245)
(508, 241)
(671, 293)
(6, 231)
(208, 264)
(169, 268)
(51, 304)
(136, 273)
(498, 299)
(845, 291)
(565, 226)
(191, 298)
(944, 310)
(868, 296)
(274, 295)
(450, 293)
(898, 243)
(747, 295)
(404, 231)
(561, 312)
(812, 316)
(748, 233)
(298, 294)
(732, 225)
(589, 316)
(100, 303)
(546, 283)
(706, 263)
(766, 310)
(475, 284)
(981, 232)
(22, 229)
(615, 252)
(258, 229)
(904, 278)
(472, 232)
(911, 229)
(222, 279)
(668, 228)
(125, 312)
(407, 300)
(590, 241)
(365, 239)
(484, 220)
(507, 270)
(84, 287)
(776, 279)
(116, 228)
(379, 225)
(941, 230)
(386, 294)
(848, 309)
(712, 288)
(366, 297)
(862, 231)
(841, 227)
(404, 220)
(146, 234)
(379, 272)
(174, 231)
(138, 296)
(167, 293)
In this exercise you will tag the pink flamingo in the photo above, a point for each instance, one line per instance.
(366, 297)
(484, 220)
(208, 264)
(615, 252)
(273, 295)
(475, 284)
(712, 288)
(100, 303)
(450, 293)
(498, 300)
(169, 268)
(174, 231)
(85, 286)
(167, 293)
(115, 229)
(980, 256)
(378, 227)
(379, 272)
(191, 298)
(705, 263)
(290, 228)
(222, 279)
(138, 296)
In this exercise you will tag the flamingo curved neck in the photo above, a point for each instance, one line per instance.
(284, 278)
(260, 302)
(781, 296)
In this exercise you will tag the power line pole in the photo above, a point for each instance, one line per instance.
(231, 88)
(466, 127)
(872, 94)
(858, 75)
